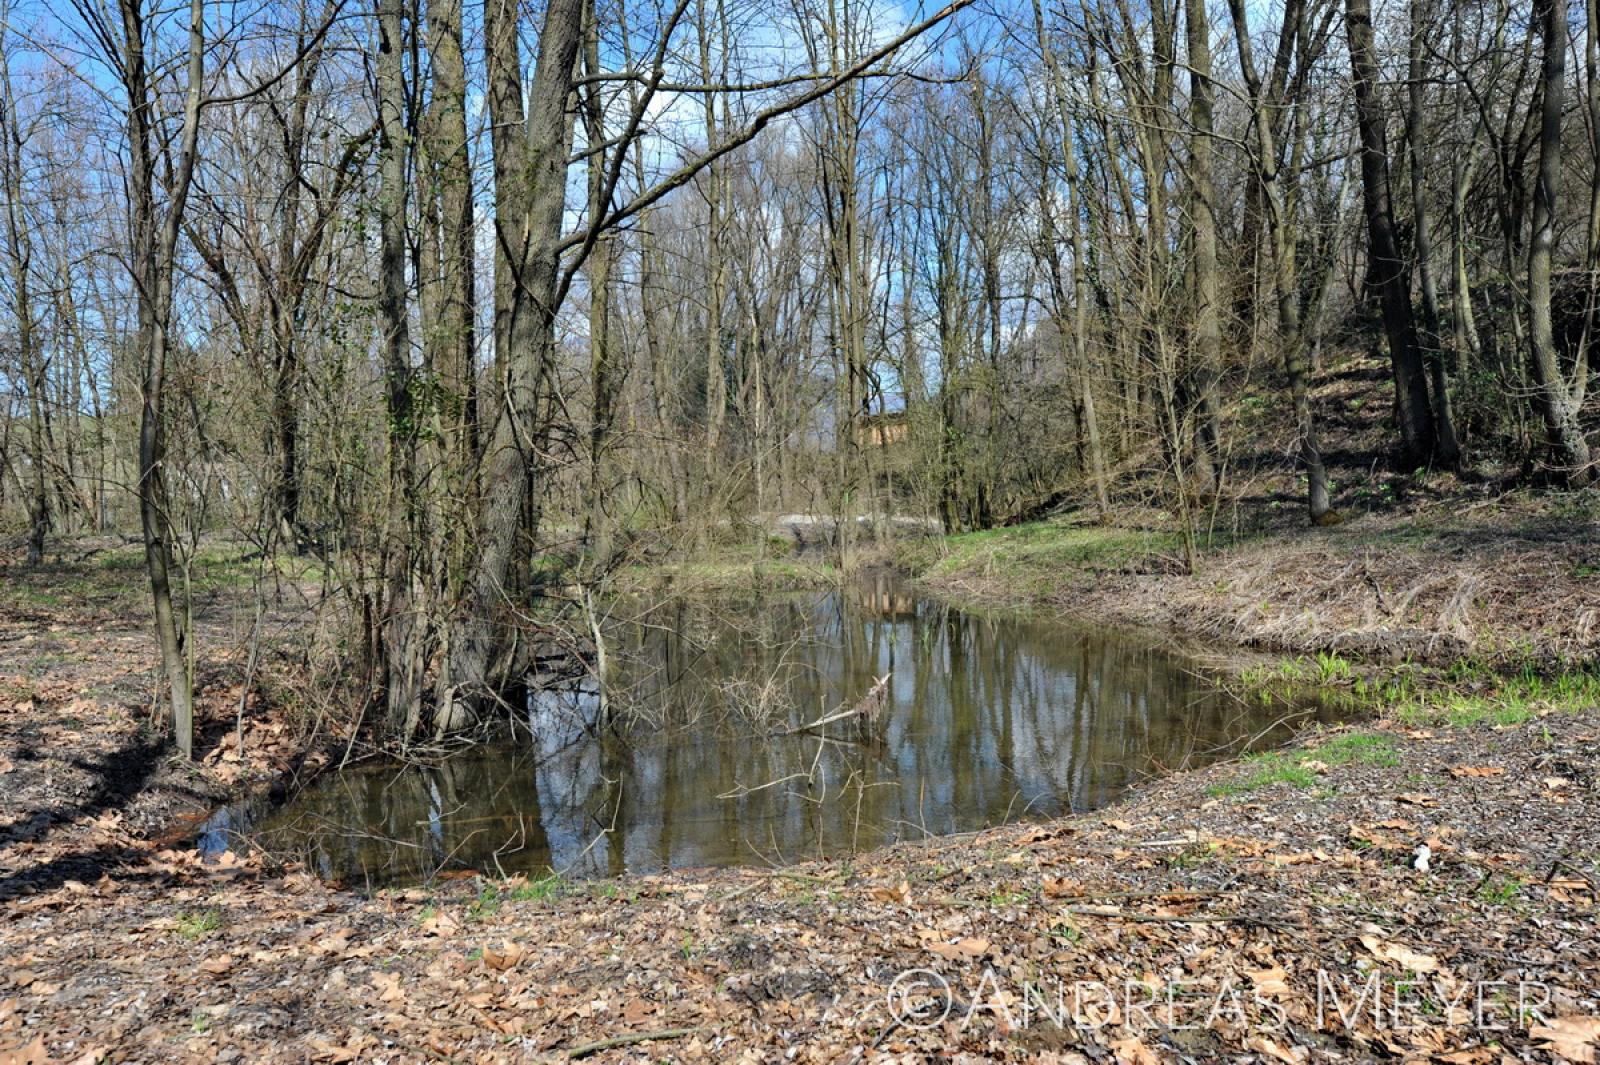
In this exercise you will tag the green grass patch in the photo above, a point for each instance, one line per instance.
(1291, 767)
(1499, 890)
(1031, 561)
(542, 889)
(1495, 700)
(199, 925)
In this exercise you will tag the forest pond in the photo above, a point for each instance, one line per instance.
(983, 720)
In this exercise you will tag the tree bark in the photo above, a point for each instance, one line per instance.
(404, 622)
(1206, 326)
(1285, 272)
(1418, 433)
(1080, 295)
(602, 376)
(453, 339)
(31, 361)
(1551, 397)
(1429, 337)
(155, 240)
(510, 460)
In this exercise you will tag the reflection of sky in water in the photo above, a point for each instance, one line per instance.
(988, 720)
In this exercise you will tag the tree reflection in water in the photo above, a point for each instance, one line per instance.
(989, 720)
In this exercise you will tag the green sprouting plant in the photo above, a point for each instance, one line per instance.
(486, 905)
(1499, 890)
(1331, 668)
(199, 925)
(541, 889)
(1066, 931)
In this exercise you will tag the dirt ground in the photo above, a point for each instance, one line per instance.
(87, 779)
(1211, 916)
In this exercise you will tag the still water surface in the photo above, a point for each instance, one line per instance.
(987, 720)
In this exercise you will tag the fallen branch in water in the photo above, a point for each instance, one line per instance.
(864, 711)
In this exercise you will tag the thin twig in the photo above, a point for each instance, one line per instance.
(585, 1049)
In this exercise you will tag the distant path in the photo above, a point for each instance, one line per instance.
(809, 530)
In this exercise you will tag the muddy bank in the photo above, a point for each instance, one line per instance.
(1500, 581)
(88, 780)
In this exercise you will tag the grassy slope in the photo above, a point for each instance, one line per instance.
(1425, 567)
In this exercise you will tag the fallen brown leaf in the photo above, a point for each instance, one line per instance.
(1574, 1038)
(1273, 982)
(900, 892)
(217, 965)
(1279, 1052)
(503, 958)
(1134, 1051)
(33, 1053)
(388, 985)
(1400, 954)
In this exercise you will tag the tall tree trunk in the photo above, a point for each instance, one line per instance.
(155, 240)
(1285, 271)
(1552, 398)
(31, 361)
(1080, 295)
(1582, 363)
(716, 259)
(510, 460)
(405, 620)
(508, 140)
(453, 342)
(1206, 324)
(1422, 242)
(602, 382)
(1418, 434)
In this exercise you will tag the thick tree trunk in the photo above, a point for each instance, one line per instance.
(510, 460)
(1418, 434)
(1552, 398)
(405, 626)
